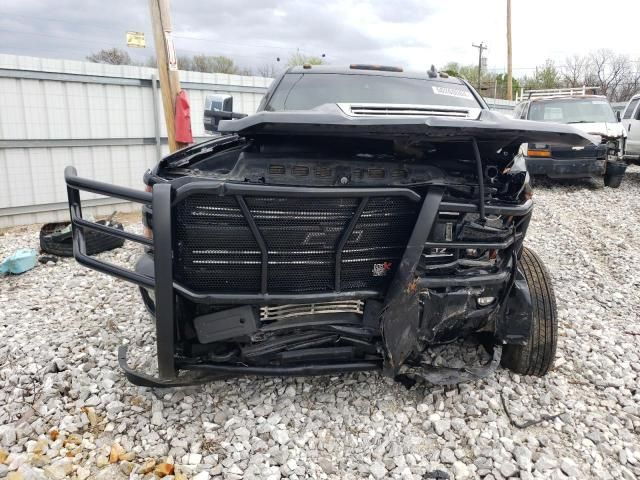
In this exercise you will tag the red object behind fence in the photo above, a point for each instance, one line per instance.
(183, 119)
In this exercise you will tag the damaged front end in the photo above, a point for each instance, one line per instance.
(312, 243)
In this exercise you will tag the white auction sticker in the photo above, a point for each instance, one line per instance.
(451, 92)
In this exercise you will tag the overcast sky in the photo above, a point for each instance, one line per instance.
(410, 33)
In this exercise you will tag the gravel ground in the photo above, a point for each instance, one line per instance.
(67, 412)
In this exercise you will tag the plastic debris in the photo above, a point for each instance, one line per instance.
(21, 261)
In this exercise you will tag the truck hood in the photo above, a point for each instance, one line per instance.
(331, 119)
(603, 129)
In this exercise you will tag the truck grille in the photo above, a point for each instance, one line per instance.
(216, 250)
(590, 151)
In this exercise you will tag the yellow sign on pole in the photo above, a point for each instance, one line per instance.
(135, 39)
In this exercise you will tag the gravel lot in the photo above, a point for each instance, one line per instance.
(67, 412)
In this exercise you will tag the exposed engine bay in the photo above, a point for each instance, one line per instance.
(307, 243)
(461, 281)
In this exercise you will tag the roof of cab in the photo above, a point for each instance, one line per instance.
(370, 70)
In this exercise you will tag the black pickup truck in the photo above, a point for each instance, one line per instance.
(361, 216)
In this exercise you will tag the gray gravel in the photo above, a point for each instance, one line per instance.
(67, 412)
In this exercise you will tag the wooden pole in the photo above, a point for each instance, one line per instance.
(167, 66)
(480, 48)
(509, 67)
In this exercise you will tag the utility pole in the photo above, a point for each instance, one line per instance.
(480, 48)
(509, 67)
(167, 66)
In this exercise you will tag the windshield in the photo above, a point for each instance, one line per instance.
(306, 91)
(572, 111)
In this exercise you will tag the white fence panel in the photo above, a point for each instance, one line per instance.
(102, 119)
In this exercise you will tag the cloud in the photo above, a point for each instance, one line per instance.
(409, 33)
(407, 11)
(251, 31)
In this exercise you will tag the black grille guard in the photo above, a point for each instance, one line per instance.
(163, 197)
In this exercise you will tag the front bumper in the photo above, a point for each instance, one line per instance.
(158, 276)
(566, 168)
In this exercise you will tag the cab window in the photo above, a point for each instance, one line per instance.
(630, 108)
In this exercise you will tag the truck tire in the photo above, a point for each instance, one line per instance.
(614, 174)
(96, 241)
(537, 356)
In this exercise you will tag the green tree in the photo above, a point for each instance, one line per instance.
(468, 72)
(452, 68)
(302, 59)
(546, 75)
(206, 64)
(213, 64)
(185, 62)
(499, 86)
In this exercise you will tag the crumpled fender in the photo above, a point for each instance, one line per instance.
(515, 325)
(447, 314)
(400, 316)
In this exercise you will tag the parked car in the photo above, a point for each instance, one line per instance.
(592, 114)
(362, 215)
(631, 121)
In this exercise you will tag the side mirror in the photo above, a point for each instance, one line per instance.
(216, 108)
(618, 116)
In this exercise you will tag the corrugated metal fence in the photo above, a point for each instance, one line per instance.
(105, 120)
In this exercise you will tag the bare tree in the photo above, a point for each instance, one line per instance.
(609, 72)
(112, 56)
(575, 71)
(616, 75)
(631, 85)
(267, 70)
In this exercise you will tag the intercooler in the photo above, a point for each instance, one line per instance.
(281, 312)
(274, 244)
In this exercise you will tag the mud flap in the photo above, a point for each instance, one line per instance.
(400, 316)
